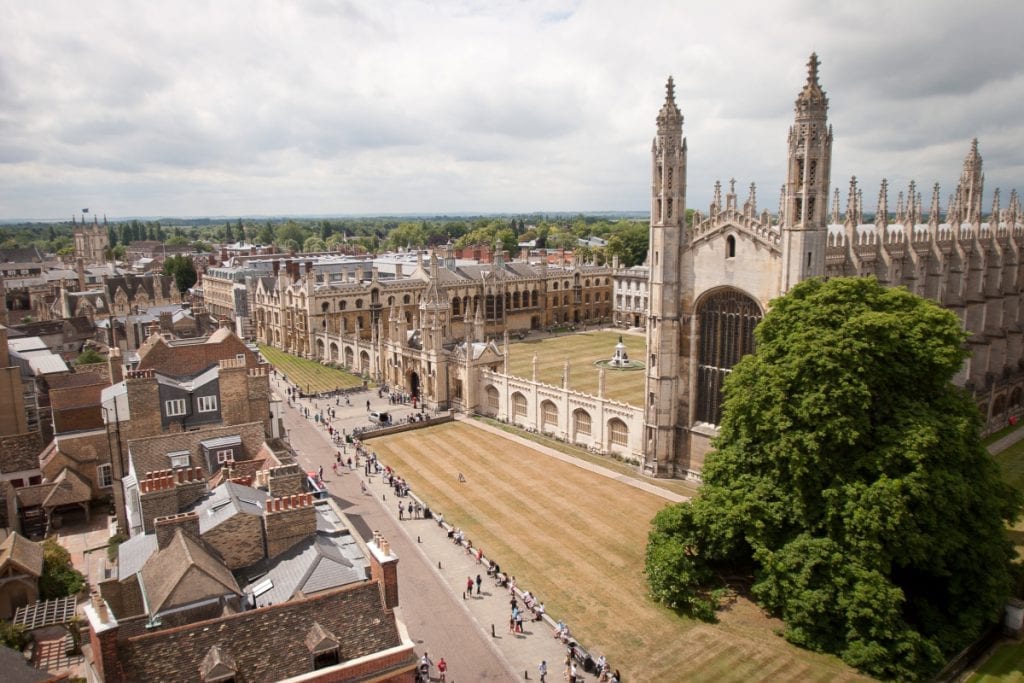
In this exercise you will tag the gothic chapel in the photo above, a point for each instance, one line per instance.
(711, 282)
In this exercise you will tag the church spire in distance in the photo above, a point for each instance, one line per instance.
(669, 117)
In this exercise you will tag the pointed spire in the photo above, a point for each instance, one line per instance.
(933, 211)
(994, 219)
(912, 204)
(752, 198)
(782, 203)
(851, 202)
(899, 207)
(669, 117)
(835, 207)
(882, 214)
(716, 203)
(812, 95)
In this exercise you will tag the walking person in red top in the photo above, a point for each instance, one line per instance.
(442, 667)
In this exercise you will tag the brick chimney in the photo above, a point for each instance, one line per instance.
(103, 632)
(287, 521)
(165, 527)
(114, 365)
(284, 480)
(384, 568)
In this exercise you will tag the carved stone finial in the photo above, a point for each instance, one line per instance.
(732, 186)
(812, 69)
(670, 90)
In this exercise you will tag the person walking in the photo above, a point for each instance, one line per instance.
(478, 582)
(542, 670)
(442, 669)
(401, 508)
(469, 585)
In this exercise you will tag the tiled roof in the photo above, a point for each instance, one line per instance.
(355, 616)
(69, 487)
(20, 555)
(184, 573)
(149, 454)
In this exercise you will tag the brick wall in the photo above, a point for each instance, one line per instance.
(165, 527)
(285, 480)
(239, 540)
(157, 497)
(234, 394)
(144, 399)
(288, 520)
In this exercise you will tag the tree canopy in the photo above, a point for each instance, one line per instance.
(849, 483)
(59, 578)
(183, 270)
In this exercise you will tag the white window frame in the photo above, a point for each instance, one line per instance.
(175, 407)
(179, 461)
(207, 404)
(226, 455)
(104, 476)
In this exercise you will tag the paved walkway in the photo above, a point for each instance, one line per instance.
(1007, 441)
(432, 570)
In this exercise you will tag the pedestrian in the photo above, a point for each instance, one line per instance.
(572, 672)
(478, 582)
(367, 405)
(442, 668)
(542, 670)
(469, 585)
(320, 472)
(400, 509)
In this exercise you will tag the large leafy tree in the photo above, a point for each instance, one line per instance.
(183, 270)
(850, 484)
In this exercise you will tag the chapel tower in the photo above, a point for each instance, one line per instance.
(805, 203)
(662, 411)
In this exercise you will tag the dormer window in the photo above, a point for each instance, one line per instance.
(323, 647)
(178, 459)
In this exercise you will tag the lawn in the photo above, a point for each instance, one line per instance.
(582, 350)
(307, 374)
(576, 539)
(1006, 665)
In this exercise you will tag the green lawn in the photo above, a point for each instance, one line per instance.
(307, 374)
(582, 350)
(1006, 665)
(577, 539)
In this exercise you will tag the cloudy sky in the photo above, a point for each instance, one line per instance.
(248, 107)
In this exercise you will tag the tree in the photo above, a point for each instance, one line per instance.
(629, 244)
(183, 271)
(850, 484)
(89, 355)
(59, 579)
(229, 236)
(177, 240)
(313, 244)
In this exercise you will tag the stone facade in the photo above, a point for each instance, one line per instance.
(711, 282)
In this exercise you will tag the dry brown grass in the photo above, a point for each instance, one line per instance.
(582, 349)
(576, 539)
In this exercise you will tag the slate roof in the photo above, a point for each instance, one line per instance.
(226, 501)
(355, 615)
(320, 563)
(17, 670)
(21, 555)
(133, 554)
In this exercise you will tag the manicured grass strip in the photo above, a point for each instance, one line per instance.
(576, 540)
(582, 350)
(683, 488)
(308, 374)
(1006, 665)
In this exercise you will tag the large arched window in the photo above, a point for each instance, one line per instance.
(518, 405)
(618, 433)
(549, 415)
(581, 422)
(492, 398)
(726, 334)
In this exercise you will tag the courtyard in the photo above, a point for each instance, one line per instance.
(576, 539)
(582, 350)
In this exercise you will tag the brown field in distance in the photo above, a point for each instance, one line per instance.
(576, 540)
